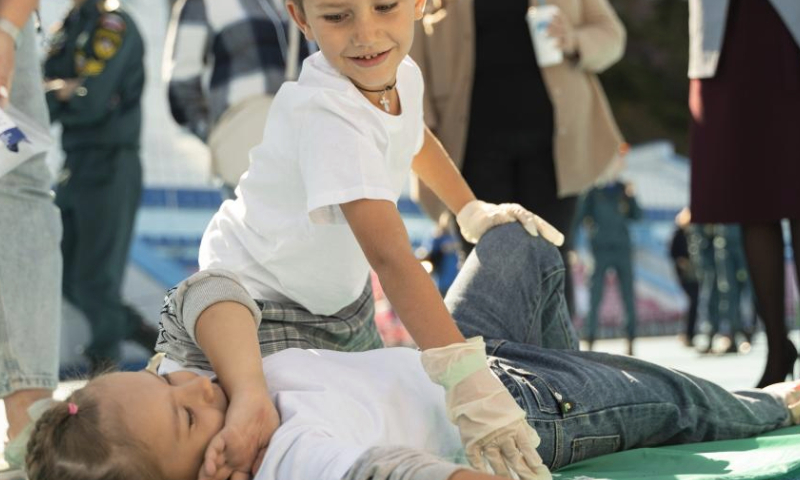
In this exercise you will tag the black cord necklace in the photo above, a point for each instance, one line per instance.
(384, 101)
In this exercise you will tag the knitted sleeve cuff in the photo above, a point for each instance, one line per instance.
(206, 288)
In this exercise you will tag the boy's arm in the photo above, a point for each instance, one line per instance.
(228, 336)
(382, 236)
(436, 170)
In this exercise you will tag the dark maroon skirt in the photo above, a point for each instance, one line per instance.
(745, 130)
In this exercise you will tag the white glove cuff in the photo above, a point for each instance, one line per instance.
(467, 217)
(450, 364)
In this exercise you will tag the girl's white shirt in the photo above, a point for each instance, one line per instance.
(334, 406)
(324, 144)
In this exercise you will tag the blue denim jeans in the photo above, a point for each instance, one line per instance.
(584, 404)
(30, 259)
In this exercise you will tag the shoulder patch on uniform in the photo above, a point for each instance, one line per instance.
(93, 67)
(106, 44)
(112, 22)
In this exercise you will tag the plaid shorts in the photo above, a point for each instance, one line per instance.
(283, 325)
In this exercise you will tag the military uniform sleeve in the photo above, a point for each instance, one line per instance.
(634, 211)
(112, 53)
(188, 42)
(57, 65)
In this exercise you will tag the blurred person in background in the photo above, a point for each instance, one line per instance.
(732, 284)
(606, 212)
(706, 265)
(719, 261)
(95, 73)
(680, 250)
(224, 62)
(744, 98)
(30, 229)
(520, 133)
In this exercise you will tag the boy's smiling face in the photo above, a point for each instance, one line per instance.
(365, 40)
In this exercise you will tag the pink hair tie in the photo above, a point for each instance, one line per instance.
(73, 409)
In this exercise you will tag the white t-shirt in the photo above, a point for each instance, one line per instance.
(335, 405)
(324, 144)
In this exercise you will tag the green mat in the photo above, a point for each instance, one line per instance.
(774, 456)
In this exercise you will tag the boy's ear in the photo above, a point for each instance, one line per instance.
(419, 9)
(299, 18)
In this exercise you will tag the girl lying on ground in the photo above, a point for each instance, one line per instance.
(377, 415)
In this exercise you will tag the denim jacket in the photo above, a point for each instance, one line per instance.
(707, 20)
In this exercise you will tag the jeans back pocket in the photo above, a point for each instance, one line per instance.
(590, 447)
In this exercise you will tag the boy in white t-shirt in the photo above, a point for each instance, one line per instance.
(317, 209)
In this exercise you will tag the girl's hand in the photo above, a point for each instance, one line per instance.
(564, 33)
(237, 450)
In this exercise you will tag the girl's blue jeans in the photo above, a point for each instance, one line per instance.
(584, 404)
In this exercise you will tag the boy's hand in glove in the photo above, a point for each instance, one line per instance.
(492, 426)
(476, 217)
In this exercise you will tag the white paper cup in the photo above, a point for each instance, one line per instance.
(546, 47)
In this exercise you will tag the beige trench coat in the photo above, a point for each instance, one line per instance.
(586, 137)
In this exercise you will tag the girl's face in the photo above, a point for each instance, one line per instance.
(365, 40)
(176, 415)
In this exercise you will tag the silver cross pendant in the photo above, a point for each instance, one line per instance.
(385, 101)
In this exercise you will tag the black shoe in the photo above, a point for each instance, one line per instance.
(141, 332)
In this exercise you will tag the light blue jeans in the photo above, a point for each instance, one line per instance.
(584, 404)
(30, 257)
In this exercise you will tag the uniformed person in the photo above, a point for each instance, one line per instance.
(94, 77)
(683, 248)
(606, 212)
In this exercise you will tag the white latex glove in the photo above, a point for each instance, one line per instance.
(492, 426)
(476, 217)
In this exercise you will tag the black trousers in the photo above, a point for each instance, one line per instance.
(518, 167)
(98, 196)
